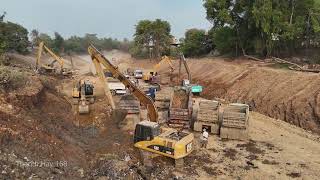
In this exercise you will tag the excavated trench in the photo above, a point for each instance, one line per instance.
(37, 126)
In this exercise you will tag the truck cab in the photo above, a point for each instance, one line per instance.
(195, 88)
(138, 74)
(116, 87)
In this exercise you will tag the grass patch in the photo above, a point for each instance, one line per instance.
(11, 78)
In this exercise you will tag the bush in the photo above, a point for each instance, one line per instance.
(11, 79)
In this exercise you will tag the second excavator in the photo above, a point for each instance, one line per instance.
(148, 136)
(153, 76)
(82, 94)
(49, 68)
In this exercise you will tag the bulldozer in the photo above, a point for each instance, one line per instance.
(49, 68)
(149, 137)
(82, 94)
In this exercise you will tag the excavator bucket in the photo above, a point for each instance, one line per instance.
(83, 108)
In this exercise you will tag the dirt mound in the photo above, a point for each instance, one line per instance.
(26, 96)
(283, 94)
(180, 99)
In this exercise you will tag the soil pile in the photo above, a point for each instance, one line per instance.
(180, 99)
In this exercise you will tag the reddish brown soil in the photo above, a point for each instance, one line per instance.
(283, 94)
(180, 99)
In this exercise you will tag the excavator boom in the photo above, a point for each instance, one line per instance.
(39, 55)
(104, 81)
(164, 59)
(183, 59)
(57, 58)
(144, 99)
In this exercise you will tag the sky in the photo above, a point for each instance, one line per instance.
(106, 18)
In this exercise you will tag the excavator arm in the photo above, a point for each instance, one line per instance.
(57, 58)
(164, 59)
(144, 99)
(104, 81)
(183, 59)
(40, 49)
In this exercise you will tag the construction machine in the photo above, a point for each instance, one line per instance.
(148, 136)
(153, 75)
(235, 122)
(196, 89)
(82, 94)
(49, 68)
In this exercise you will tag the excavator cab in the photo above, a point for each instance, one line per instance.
(146, 131)
(88, 88)
(82, 94)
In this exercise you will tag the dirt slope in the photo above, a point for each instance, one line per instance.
(38, 124)
(281, 94)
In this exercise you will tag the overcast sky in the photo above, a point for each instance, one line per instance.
(107, 18)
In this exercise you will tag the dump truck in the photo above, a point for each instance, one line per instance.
(116, 87)
(208, 116)
(162, 99)
(130, 104)
(180, 111)
(235, 122)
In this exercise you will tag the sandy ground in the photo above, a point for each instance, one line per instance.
(277, 150)
(90, 144)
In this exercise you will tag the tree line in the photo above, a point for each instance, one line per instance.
(76, 44)
(263, 28)
(15, 38)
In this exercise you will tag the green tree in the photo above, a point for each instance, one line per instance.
(196, 43)
(58, 43)
(13, 37)
(75, 44)
(155, 34)
(262, 26)
(224, 39)
(34, 37)
(46, 39)
(2, 16)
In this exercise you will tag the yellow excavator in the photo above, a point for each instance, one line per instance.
(148, 136)
(49, 68)
(147, 77)
(82, 94)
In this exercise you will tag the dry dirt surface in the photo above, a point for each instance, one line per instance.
(282, 94)
(43, 137)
